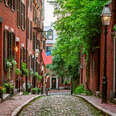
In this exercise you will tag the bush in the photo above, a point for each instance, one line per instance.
(2, 90)
(34, 90)
(26, 93)
(9, 88)
(81, 90)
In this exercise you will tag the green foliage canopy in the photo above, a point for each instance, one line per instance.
(78, 28)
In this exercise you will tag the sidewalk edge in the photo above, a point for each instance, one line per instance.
(96, 106)
(18, 109)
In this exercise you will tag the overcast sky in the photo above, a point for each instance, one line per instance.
(49, 16)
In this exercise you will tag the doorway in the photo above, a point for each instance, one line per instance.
(53, 83)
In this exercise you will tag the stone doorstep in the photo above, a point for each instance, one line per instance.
(97, 106)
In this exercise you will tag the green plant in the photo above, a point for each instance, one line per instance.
(67, 82)
(26, 93)
(30, 72)
(114, 28)
(81, 90)
(8, 63)
(34, 90)
(18, 72)
(14, 63)
(2, 90)
(24, 69)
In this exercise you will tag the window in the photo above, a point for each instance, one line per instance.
(50, 35)
(20, 15)
(9, 45)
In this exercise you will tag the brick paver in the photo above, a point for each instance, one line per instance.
(8, 106)
(60, 105)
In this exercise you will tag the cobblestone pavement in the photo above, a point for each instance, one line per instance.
(59, 105)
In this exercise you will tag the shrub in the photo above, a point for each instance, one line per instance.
(34, 90)
(26, 93)
(81, 90)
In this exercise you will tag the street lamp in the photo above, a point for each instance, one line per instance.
(106, 17)
(35, 56)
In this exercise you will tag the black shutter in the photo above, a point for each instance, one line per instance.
(11, 42)
(8, 45)
(27, 28)
(5, 49)
(31, 30)
(21, 57)
(21, 15)
(33, 41)
(39, 69)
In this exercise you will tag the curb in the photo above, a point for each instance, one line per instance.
(18, 109)
(96, 106)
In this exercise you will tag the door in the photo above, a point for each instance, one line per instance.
(53, 83)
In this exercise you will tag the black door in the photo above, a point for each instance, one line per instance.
(53, 83)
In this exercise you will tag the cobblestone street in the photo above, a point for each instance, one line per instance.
(59, 105)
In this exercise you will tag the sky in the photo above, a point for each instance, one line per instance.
(49, 15)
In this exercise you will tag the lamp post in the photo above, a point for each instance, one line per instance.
(106, 17)
(35, 56)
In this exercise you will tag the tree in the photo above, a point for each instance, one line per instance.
(78, 28)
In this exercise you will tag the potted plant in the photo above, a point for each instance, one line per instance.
(18, 72)
(2, 91)
(34, 90)
(14, 63)
(24, 69)
(30, 72)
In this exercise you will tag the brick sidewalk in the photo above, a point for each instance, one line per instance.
(8, 106)
(108, 108)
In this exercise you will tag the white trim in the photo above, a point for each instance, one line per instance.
(12, 30)
(6, 27)
(22, 45)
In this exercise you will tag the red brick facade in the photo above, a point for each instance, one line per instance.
(96, 65)
(23, 27)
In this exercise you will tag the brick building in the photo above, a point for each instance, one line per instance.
(21, 24)
(96, 65)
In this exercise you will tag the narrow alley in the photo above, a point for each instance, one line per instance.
(59, 105)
